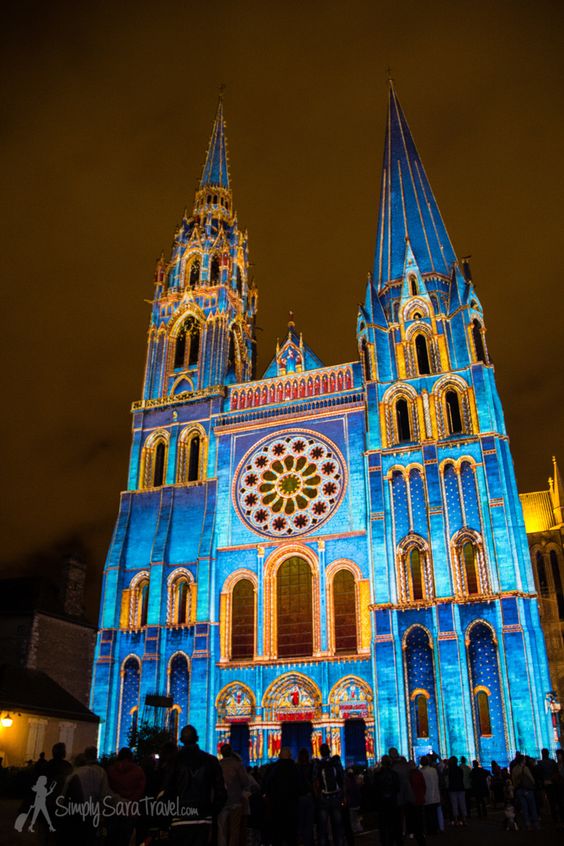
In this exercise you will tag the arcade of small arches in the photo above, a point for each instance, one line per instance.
(281, 619)
(191, 457)
(446, 411)
(291, 388)
(213, 268)
(548, 569)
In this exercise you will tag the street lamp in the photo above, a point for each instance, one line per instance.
(6, 720)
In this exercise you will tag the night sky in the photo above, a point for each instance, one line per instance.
(106, 114)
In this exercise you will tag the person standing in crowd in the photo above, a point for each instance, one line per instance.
(329, 788)
(88, 783)
(432, 795)
(547, 769)
(415, 810)
(405, 795)
(524, 785)
(195, 782)
(466, 776)
(282, 790)
(386, 792)
(455, 785)
(306, 801)
(230, 820)
(479, 778)
(497, 784)
(126, 780)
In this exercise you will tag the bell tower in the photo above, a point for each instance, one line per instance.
(201, 333)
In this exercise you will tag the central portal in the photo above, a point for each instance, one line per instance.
(296, 736)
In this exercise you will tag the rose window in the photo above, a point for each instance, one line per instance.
(289, 484)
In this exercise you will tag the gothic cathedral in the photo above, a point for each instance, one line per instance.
(322, 553)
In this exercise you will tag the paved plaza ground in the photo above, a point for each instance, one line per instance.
(476, 833)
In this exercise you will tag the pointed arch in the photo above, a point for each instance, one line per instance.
(178, 686)
(453, 401)
(401, 415)
(485, 684)
(192, 454)
(349, 692)
(235, 701)
(215, 269)
(184, 339)
(478, 341)
(419, 673)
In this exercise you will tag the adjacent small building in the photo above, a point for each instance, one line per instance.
(544, 522)
(46, 649)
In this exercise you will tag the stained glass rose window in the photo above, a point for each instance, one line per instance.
(289, 484)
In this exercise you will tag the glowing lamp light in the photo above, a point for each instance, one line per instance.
(6, 721)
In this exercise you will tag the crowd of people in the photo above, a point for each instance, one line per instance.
(187, 797)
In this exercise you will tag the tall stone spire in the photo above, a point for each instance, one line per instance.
(408, 208)
(216, 168)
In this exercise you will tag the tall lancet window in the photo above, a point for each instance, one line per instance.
(454, 418)
(478, 338)
(130, 676)
(187, 346)
(194, 277)
(402, 420)
(160, 455)
(469, 558)
(422, 353)
(215, 270)
(194, 459)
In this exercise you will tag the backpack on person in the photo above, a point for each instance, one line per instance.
(329, 776)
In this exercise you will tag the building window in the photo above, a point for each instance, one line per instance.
(470, 567)
(294, 609)
(179, 688)
(344, 611)
(191, 456)
(413, 285)
(541, 575)
(130, 677)
(239, 276)
(187, 347)
(483, 714)
(243, 620)
(142, 602)
(160, 454)
(421, 716)
(366, 360)
(478, 338)
(454, 418)
(422, 354)
(402, 421)
(557, 579)
(194, 277)
(182, 601)
(415, 565)
(214, 273)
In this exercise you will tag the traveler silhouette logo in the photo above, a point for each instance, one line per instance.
(38, 806)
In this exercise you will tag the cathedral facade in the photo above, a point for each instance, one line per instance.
(324, 553)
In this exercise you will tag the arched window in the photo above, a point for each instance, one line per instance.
(402, 420)
(239, 277)
(294, 610)
(214, 272)
(194, 273)
(243, 621)
(421, 716)
(130, 676)
(142, 602)
(366, 360)
(541, 574)
(160, 455)
(454, 419)
(478, 338)
(191, 466)
(557, 579)
(483, 714)
(187, 346)
(422, 354)
(344, 611)
(194, 459)
(179, 689)
(470, 567)
(415, 574)
(413, 285)
(182, 602)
